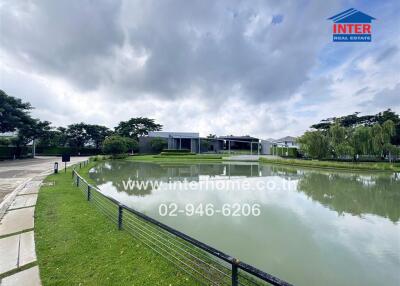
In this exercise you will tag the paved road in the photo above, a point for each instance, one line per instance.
(13, 173)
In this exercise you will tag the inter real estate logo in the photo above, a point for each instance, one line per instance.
(352, 26)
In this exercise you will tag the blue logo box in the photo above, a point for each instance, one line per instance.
(352, 38)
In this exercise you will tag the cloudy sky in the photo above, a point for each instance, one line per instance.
(264, 68)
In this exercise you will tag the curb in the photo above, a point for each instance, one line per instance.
(11, 196)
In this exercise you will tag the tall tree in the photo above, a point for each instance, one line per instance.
(82, 134)
(77, 135)
(54, 138)
(31, 130)
(136, 127)
(361, 140)
(314, 144)
(339, 140)
(97, 134)
(14, 113)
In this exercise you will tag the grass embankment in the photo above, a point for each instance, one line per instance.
(378, 166)
(77, 245)
(177, 158)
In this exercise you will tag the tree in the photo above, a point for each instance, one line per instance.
(361, 140)
(386, 115)
(158, 144)
(136, 127)
(14, 113)
(54, 138)
(97, 134)
(388, 131)
(31, 130)
(354, 120)
(131, 144)
(314, 144)
(115, 145)
(338, 140)
(77, 135)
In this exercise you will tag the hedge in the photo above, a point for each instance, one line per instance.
(74, 151)
(281, 151)
(176, 151)
(19, 152)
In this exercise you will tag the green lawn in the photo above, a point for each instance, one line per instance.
(77, 245)
(379, 166)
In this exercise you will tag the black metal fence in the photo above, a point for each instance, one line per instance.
(204, 263)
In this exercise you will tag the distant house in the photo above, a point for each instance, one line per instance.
(8, 134)
(266, 146)
(288, 141)
(174, 140)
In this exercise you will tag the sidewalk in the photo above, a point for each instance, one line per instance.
(18, 262)
(17, 242)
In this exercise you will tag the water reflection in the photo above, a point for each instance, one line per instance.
(344, 192)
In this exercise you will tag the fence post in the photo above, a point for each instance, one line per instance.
(235, 280)
(120, 209)
(80, 165)
(73, 173)
(77, 181)
(88, 193)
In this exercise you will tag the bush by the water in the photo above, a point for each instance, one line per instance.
(118, 146)
(114, 145)
(158, 144)
(284, 151)
(176, 151)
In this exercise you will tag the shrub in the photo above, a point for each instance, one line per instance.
(115, 145)
(10, 152)
(4, 141)
(158, 144)
(176, 151)
(131, 144)
(284, 151)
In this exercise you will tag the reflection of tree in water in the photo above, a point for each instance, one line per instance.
(355, 193)
(118, 171)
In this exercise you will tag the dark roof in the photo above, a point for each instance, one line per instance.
(287, 138)
(352, 16)
(232, 137)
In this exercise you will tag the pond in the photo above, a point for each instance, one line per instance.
(306, 226)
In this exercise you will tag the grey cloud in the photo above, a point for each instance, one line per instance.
(63, 38)
(386, 98)
(219, 48)
(387, 53)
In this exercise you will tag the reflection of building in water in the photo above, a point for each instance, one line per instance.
(242, 170)
(344, 192)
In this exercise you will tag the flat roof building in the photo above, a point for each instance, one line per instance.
(174, 140)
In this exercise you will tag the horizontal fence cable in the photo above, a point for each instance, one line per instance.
(172, 258)
(182, 243)
(195, 258)
(180, 253)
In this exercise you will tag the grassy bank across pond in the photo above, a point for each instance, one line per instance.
(374, 166)
(177, 158)
(77, 245)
